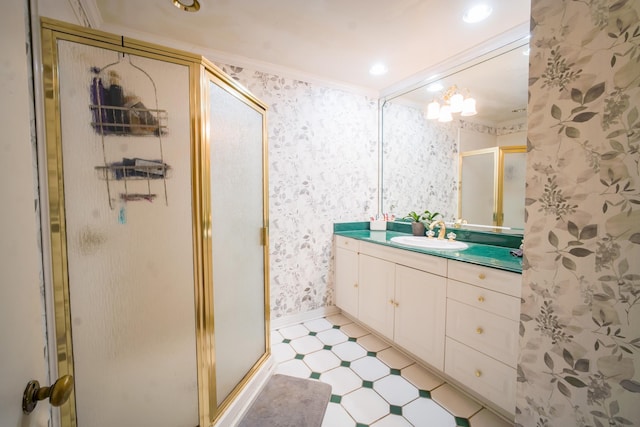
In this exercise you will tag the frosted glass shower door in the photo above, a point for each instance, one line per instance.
(128, 264)
(477, 196)
(237, 235)
(513, 187)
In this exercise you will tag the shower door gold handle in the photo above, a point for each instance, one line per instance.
(57, 394)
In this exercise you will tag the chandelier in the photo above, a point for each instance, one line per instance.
(453, 102)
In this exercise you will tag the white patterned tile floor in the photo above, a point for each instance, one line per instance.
(373, 384)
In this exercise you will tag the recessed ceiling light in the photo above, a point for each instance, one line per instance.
(435, 87)
(186, 5)
(378, 69)
(477, 13)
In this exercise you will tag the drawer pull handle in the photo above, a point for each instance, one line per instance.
(479, 331)
(391, 302)
(482, 276)
(396, 303)
(478, 373)
(355, 285)
(481, 299)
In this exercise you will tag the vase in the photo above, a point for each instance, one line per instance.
(417, 228)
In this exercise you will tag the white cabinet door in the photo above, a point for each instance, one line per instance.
(347, 281)
(376, 296)
(420, 314)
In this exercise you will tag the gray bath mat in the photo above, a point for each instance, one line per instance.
(288, 402)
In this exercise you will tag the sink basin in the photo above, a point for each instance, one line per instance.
(426, 243)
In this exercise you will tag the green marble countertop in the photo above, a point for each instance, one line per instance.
(487, 255)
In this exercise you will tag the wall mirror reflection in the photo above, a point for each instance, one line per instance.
(462, 130)
(491, 186)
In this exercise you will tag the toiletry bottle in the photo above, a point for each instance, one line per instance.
(142, 121)
(116, 99)
(100, 102)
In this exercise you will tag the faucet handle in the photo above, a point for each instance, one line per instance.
(451, 236)
(459, 223)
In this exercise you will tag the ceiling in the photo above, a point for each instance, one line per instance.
(332, 40)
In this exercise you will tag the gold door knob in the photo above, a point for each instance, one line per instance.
(57, 394)
(478, 373)
(391, 302)
(482, 276)
(479, 330)
(355, 285)
(480, 298)
(396, 303)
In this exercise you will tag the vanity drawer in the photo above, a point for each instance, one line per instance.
(484, 299)
(347, 243)
(486, 332)
(430, 264)
(489, 378)
(491, 278)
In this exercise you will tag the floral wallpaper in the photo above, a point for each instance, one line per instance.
(477, 127)
(420, 162)
(323, 157)
(579, 362)
(511, 128)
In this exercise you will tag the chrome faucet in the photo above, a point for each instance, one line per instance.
(443, 229)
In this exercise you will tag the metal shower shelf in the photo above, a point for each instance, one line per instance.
(118, 110)
(119, 172)
(130, 121)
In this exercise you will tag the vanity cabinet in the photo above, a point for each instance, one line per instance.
(458, 317)
(346, 275)
(398, 295)
(376, 294)
(483, 308)
(419, 321)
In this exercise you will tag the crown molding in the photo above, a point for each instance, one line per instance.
(89, 8)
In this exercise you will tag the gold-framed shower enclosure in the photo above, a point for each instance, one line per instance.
(51, 32)
(498, 156)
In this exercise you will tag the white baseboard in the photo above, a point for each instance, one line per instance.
(236, 410)
(281, 322)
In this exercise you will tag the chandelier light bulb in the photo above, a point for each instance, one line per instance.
(452, 101)
(445, 114)
(433, 110)
(469, 107)
(456, 102)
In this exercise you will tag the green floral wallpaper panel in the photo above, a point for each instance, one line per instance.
(579, 362)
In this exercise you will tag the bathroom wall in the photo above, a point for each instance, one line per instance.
(512, 133)
(322, 169)
(476, 136)
(579, 362)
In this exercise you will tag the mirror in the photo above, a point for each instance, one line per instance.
(491, 186)
(422, 158)
(477, 198)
